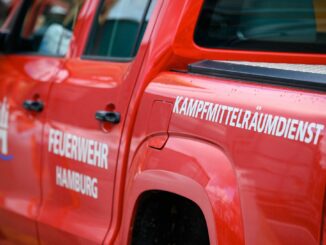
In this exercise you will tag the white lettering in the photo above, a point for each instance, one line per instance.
(176, 104)
(211, 112)
(319, 128)
(183, 109)
(279, 126)
(78, 148)
(199, 107)
(233, 117)
(280, 129)
(192, 108)
(292, 129)
(77, 182)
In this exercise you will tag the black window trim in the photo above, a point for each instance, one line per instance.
(105, 58)
(263, 75)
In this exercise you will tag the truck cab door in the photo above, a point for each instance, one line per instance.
(88, 105)
(27, 70)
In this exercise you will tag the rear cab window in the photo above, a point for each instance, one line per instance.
(263, 25)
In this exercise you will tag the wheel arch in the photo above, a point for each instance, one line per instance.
(193, 169)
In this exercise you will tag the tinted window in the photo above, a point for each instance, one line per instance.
(271, 25)
(7, 7)
(48, 26)
(119, 28)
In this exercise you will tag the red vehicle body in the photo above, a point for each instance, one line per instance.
(248, 186)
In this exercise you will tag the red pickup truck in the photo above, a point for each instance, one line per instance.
(162, 122)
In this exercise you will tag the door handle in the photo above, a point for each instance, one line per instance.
(33, 105)
(108, 116)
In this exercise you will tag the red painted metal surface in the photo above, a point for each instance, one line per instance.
(23, 78)
(281, 182)
(252, 188)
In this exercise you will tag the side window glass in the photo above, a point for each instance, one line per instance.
(8, 8)
(119, 28)
(48, 27)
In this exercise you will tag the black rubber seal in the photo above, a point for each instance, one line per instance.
(297, 79)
